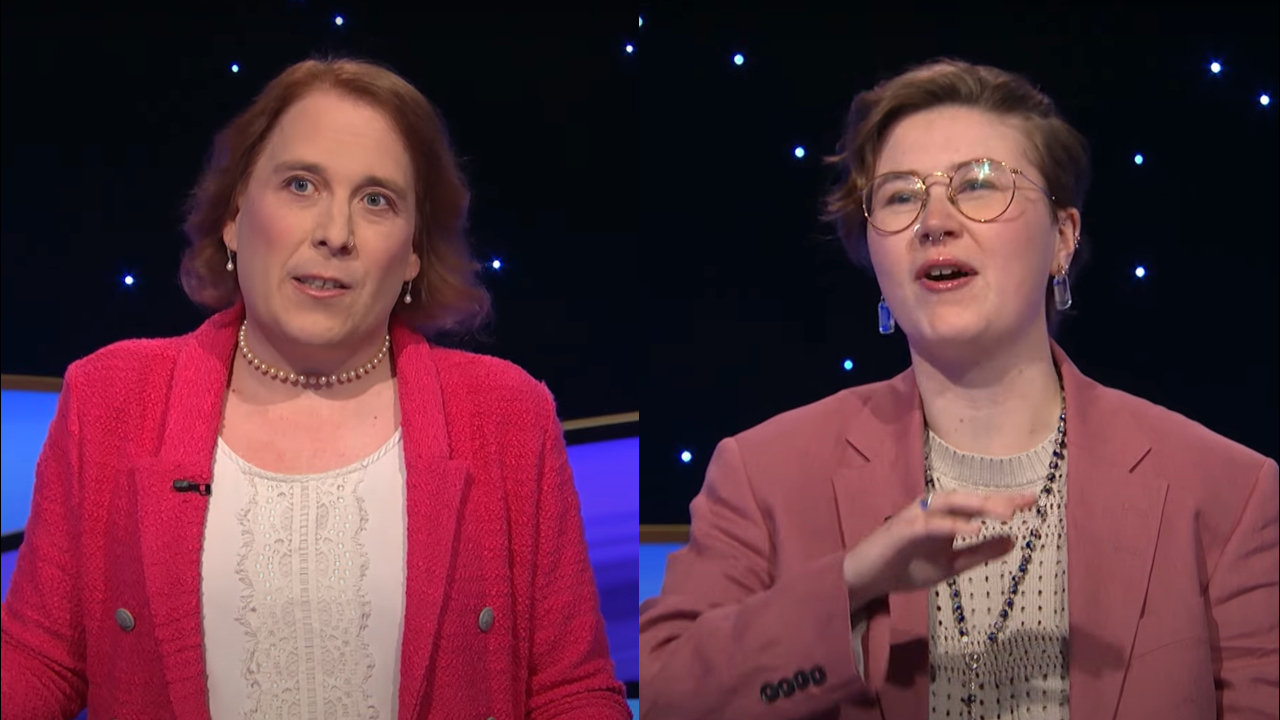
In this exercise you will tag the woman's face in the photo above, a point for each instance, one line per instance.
(1010, 259)
(334, 169)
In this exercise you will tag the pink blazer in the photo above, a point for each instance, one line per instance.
(493, 522)
(1171, 551)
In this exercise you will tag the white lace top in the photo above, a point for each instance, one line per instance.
(303, 590)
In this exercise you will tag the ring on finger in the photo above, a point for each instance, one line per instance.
(926, 501)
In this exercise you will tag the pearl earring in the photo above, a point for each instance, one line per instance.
(408, 293)
(231, 261)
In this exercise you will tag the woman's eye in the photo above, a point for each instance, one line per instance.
(300, 185)
(376, 200)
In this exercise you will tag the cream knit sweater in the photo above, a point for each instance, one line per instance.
(1025, 675)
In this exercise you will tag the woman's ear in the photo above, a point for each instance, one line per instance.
(1068, 239)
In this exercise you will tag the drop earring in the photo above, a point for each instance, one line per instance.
(1061, 290)
(408, 293)
(231, 261)
(887, 324)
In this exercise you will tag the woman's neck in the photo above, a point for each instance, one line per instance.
(253, 386)
(1000, 405)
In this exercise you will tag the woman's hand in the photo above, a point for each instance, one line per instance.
(915, 548)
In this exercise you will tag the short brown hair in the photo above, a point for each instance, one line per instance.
(451, 298)
(1056, 149)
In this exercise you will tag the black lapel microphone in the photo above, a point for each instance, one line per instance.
(186, 486)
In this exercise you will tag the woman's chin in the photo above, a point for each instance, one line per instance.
(951, 328)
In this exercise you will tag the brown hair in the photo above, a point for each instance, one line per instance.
(451, 298)
(1056, 149)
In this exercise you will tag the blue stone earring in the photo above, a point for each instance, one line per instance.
(1061, 291)
(887, 325)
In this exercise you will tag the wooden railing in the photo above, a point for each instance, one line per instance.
(663, 534)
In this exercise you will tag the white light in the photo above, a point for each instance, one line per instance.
(1140, 271)
(799, 151)
(338, 21)
(630, 48)
(1137, 159)
(641, 22)
(686, 456)
(235, 68)
(738, 59)
(1215, 68)
(1264, 99)
(496, 264)
(128, 279)
(848, 365)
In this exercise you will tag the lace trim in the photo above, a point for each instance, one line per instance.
(303, 604)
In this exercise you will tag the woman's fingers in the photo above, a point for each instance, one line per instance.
(949, 526)
(972, 556)
(975, 506)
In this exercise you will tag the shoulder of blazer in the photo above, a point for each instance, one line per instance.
(1173, 436)
(831, 419)
(492, 393)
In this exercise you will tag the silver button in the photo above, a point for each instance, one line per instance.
(486, 621)
(124, 619)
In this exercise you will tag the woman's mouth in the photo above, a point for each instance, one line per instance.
(320, 286)
(943, 276)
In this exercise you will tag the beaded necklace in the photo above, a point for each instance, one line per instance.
(979, 648)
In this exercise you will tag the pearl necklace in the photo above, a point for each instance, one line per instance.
(311, 380)
(975, 655)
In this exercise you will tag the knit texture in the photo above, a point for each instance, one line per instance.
(493, 521)
(1024, 677)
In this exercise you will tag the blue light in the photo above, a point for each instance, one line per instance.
(686, 456)
(848, 365)
(235, 68)
(338, 21)
(1140, 271)
(1264, 99)
(641, 22)
(496, 264)
(738, 59)
(1138, 159)
(799, 151)
(630, 48)
(1215, 68)
(128, 279)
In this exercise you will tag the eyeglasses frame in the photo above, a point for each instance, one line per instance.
(951, 194)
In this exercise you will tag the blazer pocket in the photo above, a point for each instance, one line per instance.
(1174, 623)
(1196, 642)
(1170, 679)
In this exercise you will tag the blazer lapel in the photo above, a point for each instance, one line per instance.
(1114, 508)
(170, 524)
(880, 471)
(435, 487)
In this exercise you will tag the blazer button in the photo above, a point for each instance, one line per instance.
(786, 687)
(124, 619)
(486, 620)
(801, 679)
(769, 693)
(818, 675)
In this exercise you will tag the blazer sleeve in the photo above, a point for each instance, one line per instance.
(42, 636)
(572, 675)
(1245, 605)
(724, 630)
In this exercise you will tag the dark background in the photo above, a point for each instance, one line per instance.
(108, 114)
(752, 307)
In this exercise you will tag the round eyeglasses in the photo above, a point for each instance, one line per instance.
(982, 190)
